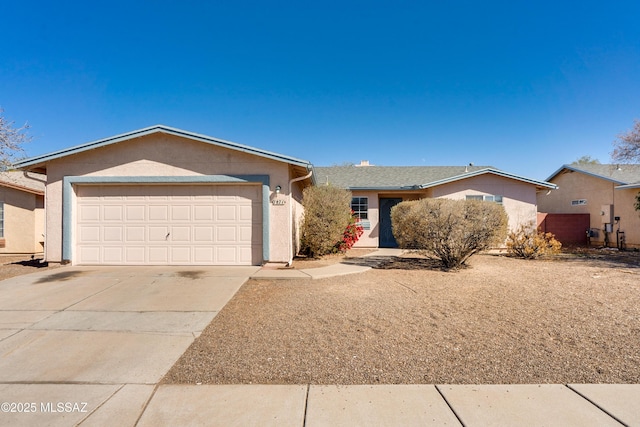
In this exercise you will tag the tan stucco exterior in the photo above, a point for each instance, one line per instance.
(519, 200)
(166, 155)
(596, 193)
(23, 221)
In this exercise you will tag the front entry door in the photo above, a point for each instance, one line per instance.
(386, 235)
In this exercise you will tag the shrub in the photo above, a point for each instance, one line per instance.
(529, 243)
(350, 236)
(327, 214)
(450, 230)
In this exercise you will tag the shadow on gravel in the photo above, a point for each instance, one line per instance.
(604, 258)
(36, 263)
(396, 263)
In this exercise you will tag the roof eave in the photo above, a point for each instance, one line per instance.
(595, 175)
(40, 160)
(538, 184)
(628, 186)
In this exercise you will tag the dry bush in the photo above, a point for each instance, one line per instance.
(529, 243)
(450, 230)
(327, 214)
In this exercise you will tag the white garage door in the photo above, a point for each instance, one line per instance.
(169, 225)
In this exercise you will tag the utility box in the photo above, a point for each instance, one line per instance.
(606, 213)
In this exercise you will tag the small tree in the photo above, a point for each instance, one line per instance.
(627, 150)
(450, 230)
(529, 243)
(627, 146)
(586, 160)
(327, 214)
(11, 141)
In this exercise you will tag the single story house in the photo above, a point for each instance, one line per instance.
(21, 213)
(606, 193)
(164, 196)
(376, 189)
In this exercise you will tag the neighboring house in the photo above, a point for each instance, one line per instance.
(606, 193)
(21, 213)
(165, 196)
(376, 189)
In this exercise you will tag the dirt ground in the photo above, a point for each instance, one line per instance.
(572, 319)
(11, 266)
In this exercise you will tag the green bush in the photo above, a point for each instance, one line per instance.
(450, 230)
(529, 243)
(327, 214)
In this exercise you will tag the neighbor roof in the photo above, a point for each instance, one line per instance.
(43, 159)
(29, 182)
(625, 175)
(407, 177)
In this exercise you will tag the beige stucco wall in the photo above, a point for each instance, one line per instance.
(519, 200)
(597, 192)
(23, 221)
(165, 155)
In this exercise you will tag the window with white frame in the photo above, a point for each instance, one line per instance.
(360, 207)
(486, 198)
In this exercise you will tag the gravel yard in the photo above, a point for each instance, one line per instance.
(502, 320)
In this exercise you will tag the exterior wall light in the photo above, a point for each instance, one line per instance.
(278, 189)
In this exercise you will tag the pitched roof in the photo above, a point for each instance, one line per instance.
(407, 177)
(31, 183)
(624, 175)
(43, 159)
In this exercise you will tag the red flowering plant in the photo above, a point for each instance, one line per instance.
(350, 236)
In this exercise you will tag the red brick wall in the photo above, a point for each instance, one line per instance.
(569, 229)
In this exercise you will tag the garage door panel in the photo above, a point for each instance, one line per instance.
(226, 213)
(159, 254)
(135, 254)
(180, 213)
(180, 234)
(112, 234)
(203, 213)
(203, 234)
(89, 255)
(135, 234)
(158, 213)
(112, 213)
(169, 224)
(158, 233)
(180, 254)
(135, 213)
(89, 213)
(113, 255)
(90, 234)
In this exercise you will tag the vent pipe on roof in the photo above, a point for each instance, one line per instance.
(364, 163)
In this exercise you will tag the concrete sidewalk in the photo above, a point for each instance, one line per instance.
(319, 405)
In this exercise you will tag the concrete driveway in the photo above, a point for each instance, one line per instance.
(78, 343)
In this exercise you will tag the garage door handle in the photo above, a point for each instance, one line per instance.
(167, 236)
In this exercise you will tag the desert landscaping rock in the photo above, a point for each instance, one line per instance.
(501, 321)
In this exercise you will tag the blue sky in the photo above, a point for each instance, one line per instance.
(523, 86)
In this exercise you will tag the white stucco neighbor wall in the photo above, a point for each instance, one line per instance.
(168, 156)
